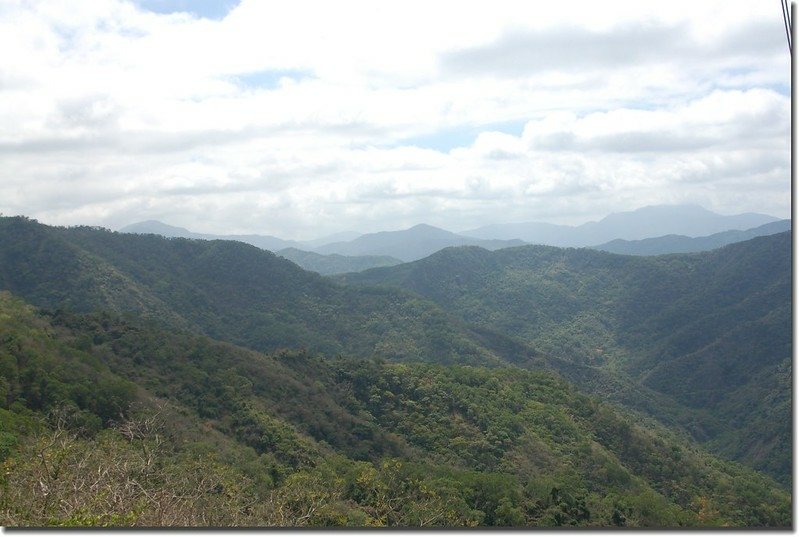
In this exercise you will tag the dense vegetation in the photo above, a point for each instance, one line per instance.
(227, 290)
(710, 331)
(238, 293)
(206, 433)
(435, 398)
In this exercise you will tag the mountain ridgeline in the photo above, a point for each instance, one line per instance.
(643, 223)
(448, 391)
(227, 290)
(680, 244)
(154, 227)
(375, 249)
(335, 263)
(410, 244)
(646, 231)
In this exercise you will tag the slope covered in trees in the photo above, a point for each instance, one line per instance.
(227, 290)
(700, 341)
(711, 331)
(238, 293)
(220, 435)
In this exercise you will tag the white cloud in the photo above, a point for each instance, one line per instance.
(111, 114)
(722, 119)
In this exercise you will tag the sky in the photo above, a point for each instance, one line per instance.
(305, 118)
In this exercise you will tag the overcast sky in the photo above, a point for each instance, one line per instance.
(304, 118)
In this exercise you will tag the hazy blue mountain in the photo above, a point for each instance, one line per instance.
(265, 242)
(335, 263)
(670, 224)
(646, 222)
(342, 236)
(410, 244)
(674, 244)
(159, 228)
(406, 245)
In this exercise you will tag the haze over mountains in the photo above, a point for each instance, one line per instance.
(266, 242)
(646, 222)
(336, 263)
(405, 245)
(673, 244)
(410, 244)
(663, 229)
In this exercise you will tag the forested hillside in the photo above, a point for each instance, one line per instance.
(438, 401)
(228, 290)
(711, 331)
(114, 421)
(238, 293)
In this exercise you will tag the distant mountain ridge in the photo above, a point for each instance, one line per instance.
(643, 223)
(680, 244)
(404, 245)
(265, 242)
(410, 244)
(356, 252)
(295, 251)
(327, 265)
(671, 225)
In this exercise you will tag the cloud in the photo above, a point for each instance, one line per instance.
(577, 49)
(567, 49)
(303, 118)
(721, 119)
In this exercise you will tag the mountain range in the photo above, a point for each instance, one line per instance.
(410, 244)
(655, 226)
(671, 244)
(646, 222)
(266, 242)
(528, 385)
(342, 252)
